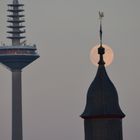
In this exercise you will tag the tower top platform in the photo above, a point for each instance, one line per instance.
(17, 57)
(5, 47)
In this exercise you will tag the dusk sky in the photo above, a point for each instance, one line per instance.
(54, 87)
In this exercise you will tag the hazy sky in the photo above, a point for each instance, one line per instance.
(55, 86)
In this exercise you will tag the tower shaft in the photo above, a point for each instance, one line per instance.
(103, 129)
(16, 105)
(16, 57)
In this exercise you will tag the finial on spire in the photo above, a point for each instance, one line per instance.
(101, 15)
(101, 49)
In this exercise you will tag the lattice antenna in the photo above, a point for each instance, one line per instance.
(16, 20)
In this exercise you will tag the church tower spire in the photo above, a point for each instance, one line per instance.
(102, 115)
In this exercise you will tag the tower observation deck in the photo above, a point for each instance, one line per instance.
(15, 57)
(18, 55)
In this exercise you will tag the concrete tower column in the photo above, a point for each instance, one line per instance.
(16, 57)
(16, 105)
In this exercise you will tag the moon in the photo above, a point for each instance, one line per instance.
(108, 56)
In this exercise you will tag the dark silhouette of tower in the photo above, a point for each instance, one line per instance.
(102, 115)
(15, 57)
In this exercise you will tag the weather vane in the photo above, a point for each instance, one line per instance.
(101, 15)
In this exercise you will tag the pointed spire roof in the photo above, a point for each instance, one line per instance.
(102, 97)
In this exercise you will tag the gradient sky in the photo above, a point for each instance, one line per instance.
(55, 86)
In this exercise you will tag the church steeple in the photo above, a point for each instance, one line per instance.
(102, 115)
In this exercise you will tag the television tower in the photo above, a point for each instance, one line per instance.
(15, 57)
(102, 115)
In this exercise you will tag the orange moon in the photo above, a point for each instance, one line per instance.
(108, 56)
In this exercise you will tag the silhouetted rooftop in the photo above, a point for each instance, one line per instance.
(102, 98)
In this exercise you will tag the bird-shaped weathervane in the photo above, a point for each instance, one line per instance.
(101, 15)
